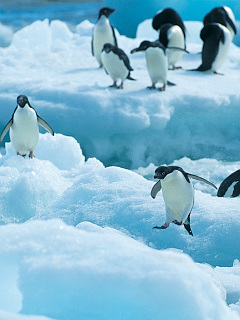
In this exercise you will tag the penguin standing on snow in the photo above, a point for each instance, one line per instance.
(216, 41)
(23, 126)
(103, 32)
(157, 63)
(178, 194)
(230, 187)
(224, 16)
(172, 34)
(116, 64)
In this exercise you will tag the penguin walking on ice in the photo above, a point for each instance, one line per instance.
(216, 41)
(157, 63)
(23, 126)
(230, 187)
(116, 64)
(224, 16)
(178, 194)
(103, 32)
(172, 34)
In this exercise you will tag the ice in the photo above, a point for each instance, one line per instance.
(76, 235)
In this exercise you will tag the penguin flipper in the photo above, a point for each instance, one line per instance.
(169, 83)
(193, 176)
(187, 225)
(92, 46)
(114, 37)
(155, 189)
(5, 130)
(45, 125)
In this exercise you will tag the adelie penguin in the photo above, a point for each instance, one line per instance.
(116, 64)
(23, 126)
(172, 34)
(216, 41)
(224, 16)
(103, 32)
(230, 187)
(157, 63)
(178, 194)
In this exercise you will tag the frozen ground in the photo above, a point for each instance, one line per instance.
(76, 224)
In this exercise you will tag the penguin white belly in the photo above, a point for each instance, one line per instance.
(114, 66)
(222, 50)
(24, 133)
(176, 39)
(102, 34)
(232, 17)
(178, 196)
(157, 65)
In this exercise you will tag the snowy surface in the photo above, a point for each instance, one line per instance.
(54, 67)
(76, 223)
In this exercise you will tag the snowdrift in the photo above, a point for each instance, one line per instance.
(103, 251)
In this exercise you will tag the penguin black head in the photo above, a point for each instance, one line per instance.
(107, 47)
(144, 45)
(163, 171)
(22, 101)
(105, 12)
(168, 15)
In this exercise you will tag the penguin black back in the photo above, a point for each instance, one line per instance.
(219, 15)
(211, 35)
(168, 15)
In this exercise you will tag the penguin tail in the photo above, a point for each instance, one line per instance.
(201, 68)
(169, 83)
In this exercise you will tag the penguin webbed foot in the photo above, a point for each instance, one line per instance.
(114, 85)
(164, 226)
(163, 88)
(151, 87)
(174, 68)
(120, 86)
(179, 223)
(31, 155)
(22, 155)
(219, 73)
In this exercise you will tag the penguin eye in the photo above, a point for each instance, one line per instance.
(163, 173)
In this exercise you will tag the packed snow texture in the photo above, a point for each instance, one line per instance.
(54, 67)
(77, 237)
(76, 234)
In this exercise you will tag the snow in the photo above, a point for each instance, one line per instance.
(77, 238)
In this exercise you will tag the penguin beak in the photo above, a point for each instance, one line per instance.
(135, 50)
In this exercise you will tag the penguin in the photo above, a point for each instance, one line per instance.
(216, 41)
(157, 63)
(178, 194)
(172, 37)
(116, 64)
(23, 126)
(103, 32)
(230, 187)
(172, 34)
(224, 16)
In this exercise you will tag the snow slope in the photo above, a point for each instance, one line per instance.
(61, 268)
(53, 66)
(76, 230)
